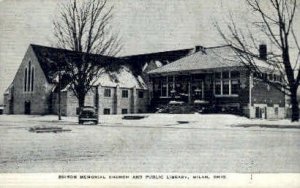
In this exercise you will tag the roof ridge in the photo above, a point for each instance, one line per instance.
(167, 51)
(220, 46)
(68, 50)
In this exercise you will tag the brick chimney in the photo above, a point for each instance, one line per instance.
(263, 51)
(199, 48)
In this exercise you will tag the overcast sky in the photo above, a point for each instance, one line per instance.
(145, 26)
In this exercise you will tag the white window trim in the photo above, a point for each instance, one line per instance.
(221, 83)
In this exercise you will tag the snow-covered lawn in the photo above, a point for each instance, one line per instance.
(159, 120)
(157, 143)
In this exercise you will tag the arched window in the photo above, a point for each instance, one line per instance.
(29, 77)
(32, 78)
(25, 80)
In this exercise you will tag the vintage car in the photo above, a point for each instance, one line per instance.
(88, 114)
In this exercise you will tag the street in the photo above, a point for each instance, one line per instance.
(140, 148)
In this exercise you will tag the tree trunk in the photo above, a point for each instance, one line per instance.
(295, 106)
(81, 100)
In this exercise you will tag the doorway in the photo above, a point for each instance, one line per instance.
(257, 112)
(27, 107)
(261, 113)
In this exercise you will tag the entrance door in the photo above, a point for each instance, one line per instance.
(257, 112)
(266, 115)
(11, 107)
(198, 90)
(27, 107)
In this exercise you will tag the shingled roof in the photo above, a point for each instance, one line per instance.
(49, 58)
(206, 59)
(137, 62)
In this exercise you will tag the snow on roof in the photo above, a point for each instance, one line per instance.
(124, 78)
(158, 63)
(145, 66)
(210, 58)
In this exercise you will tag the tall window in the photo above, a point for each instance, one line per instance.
(25, 80)
(29, 78)
(227, 83)
(107, 93)
(32, 78)
(226, 87)
(235, 86)
(235, 82)
(218, 87)
(124, 93)
(141, 94)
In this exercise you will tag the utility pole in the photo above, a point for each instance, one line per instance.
(59, 93)
(97, 101)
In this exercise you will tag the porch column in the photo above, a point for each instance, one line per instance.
(167, 86)
(173, 89)
(174, 82)
(134, 100)
(202, 88)
(211, 88)
(189, 90)
(117, 102)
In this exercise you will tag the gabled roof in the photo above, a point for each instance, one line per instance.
(138, 61)
(49, 58)
(123, 78)
(205, 59)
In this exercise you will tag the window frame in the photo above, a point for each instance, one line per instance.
(141, 94)
(25, 79)
(104, 111)
(220, 81)
(124, 109)
(108, 95)
(125, 93)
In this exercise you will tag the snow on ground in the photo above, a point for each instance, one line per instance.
(157, 143)
(160, 120)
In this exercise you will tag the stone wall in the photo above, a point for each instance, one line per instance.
(114, 103)
(41, 89)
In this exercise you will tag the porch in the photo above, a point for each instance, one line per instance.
(188, 88)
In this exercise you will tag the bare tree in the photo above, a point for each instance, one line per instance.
(275, 23)
(84, 27)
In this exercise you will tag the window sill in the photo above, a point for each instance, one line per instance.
(226, 95)
(169, 97)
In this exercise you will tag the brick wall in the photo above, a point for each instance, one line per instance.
(265, 93)
(267, 102)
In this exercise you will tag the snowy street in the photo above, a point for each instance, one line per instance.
(167, 143)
